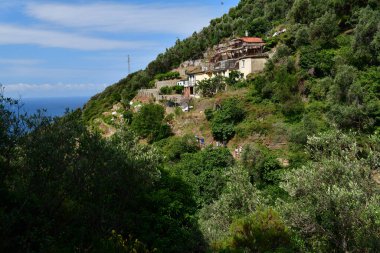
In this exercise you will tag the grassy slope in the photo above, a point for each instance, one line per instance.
(263, 124)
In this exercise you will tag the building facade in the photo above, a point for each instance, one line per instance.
(245, 55)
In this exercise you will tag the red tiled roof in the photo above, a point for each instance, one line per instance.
(252, 40)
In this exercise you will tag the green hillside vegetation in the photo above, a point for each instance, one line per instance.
(307, 179)
(257, 17)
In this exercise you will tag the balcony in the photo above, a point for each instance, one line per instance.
(191, 83)
(225, 65)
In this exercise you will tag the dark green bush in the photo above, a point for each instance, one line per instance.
(149, 123)
(209, 114)
(224, 119)
(166, 90)
(204, 171)
(262, 231)
(167, 76)
(222, 131)
(178, 89)
(261, 165)
(174, 147)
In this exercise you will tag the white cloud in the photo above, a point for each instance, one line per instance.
(110, 17)
(48, 89)
(47, 38)
(28, 62)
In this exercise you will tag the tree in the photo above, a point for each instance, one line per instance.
(222, 131)
(334, 200)
(238, 199)
(234, 78)
(149, 123)
(343, 80)
(64, 189)
(224, 119)
(174, 147)
(354, 101)
(209, 87)
(300, 12)
(365, 40)
(325, 29)
(203, 171)
(376, 44)
(259, 26)
(276, 10)
(302, 36)
(261, 165)
(261, 231)
(12, 128)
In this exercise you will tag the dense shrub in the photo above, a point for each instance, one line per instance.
(167, 76)
(209, 113)
(262, 231)
(174, 147)
(366, 37)
(169, 90)
(261, 165)
(224, 119)
(211, 86)
(204, 172)
(325, 29)
(149, 123)
(330, 213)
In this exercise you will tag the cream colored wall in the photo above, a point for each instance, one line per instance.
(258, 64)
(201, 77)
(252, 65)
(226, 74)
(197, 78)
(247, 69)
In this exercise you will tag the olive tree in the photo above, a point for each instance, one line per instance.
(335, 203)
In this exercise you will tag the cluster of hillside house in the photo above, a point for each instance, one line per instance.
(245, 54)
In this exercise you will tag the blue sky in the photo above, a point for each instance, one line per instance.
(77, 48)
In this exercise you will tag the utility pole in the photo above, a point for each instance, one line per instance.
(129, 64)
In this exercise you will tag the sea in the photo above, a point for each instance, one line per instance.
(54, 106)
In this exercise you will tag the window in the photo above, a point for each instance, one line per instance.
(242, 63)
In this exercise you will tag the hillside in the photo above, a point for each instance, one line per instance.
(261, 18)
(311, 83)
(324, 77)
(247, 16)
(282, 160)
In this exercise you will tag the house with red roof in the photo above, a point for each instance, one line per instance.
(245, 54)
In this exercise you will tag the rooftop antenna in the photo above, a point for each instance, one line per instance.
(129, 64)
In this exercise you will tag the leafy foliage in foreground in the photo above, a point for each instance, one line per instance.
(204, 172)
(262, 231)
(334, 199)
(64, 189)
